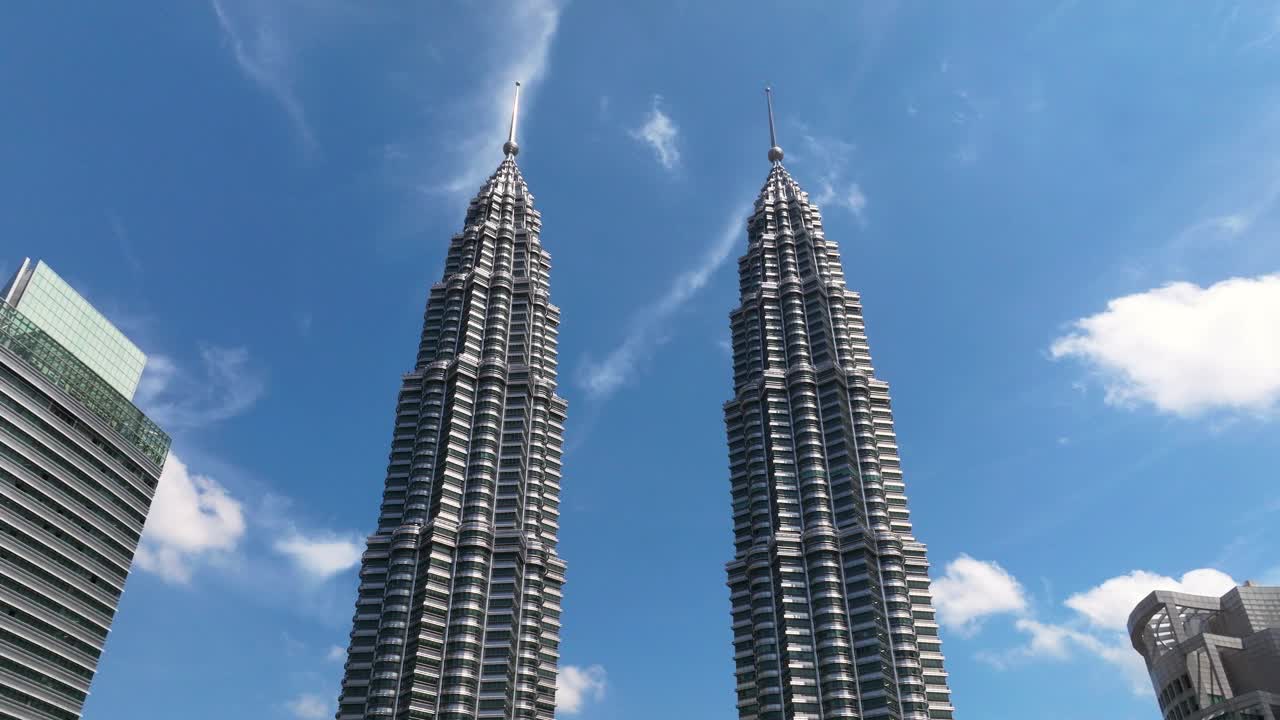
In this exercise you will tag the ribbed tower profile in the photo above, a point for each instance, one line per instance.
(832, 616)
(458, 614)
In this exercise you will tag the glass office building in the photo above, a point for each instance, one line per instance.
(829, 587)
(79, 464)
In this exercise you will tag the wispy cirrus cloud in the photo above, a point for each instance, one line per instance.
(962, 107)
(830, 158)
(849, 196)
(1230, 212)
(1048, 641)
(662, 136)
(257, 35)
(601, 378)
(269, 42)
(179, 399)
(527, 30)
(1240, 215)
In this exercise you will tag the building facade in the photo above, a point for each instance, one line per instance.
(458, 613)
(832, 616)
(1212, 657)
(78, 467)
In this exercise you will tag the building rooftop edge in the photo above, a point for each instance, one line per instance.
(58, 308)
(49, 358)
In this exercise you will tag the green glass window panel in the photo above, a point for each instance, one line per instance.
(65, 369)
(52, 305)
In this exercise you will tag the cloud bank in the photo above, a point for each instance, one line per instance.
(577, 686)
(192, 518)
(1186, 350)
(971, 590)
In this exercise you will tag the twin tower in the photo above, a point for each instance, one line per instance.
(458, 613)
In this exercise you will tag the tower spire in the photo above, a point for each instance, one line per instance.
(510, 148)
(775, 152)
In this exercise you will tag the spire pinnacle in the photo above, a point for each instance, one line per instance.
(775, 152)
(510, 148)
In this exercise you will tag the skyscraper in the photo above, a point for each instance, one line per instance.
(458, 614)
(78, 467)
(832, 616)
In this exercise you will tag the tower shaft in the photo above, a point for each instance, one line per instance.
(829, 588)
(458, 614)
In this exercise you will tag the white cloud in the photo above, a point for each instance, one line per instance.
(323, 556)
(576, 686)
(256, 36)
(1109, 604)
(336, 654)
(310, 707)
(601, 379)
(177, 399)
(191, 517)
(661, 134)
(971, 590)
(1185, 349)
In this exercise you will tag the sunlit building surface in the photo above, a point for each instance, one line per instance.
(458, 613)
(832, 614)
(1212, 657)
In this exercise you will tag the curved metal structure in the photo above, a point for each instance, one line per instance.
(458, 615)
(1212, 657)
(832, 616)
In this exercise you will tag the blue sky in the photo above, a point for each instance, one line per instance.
(1061, 218)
